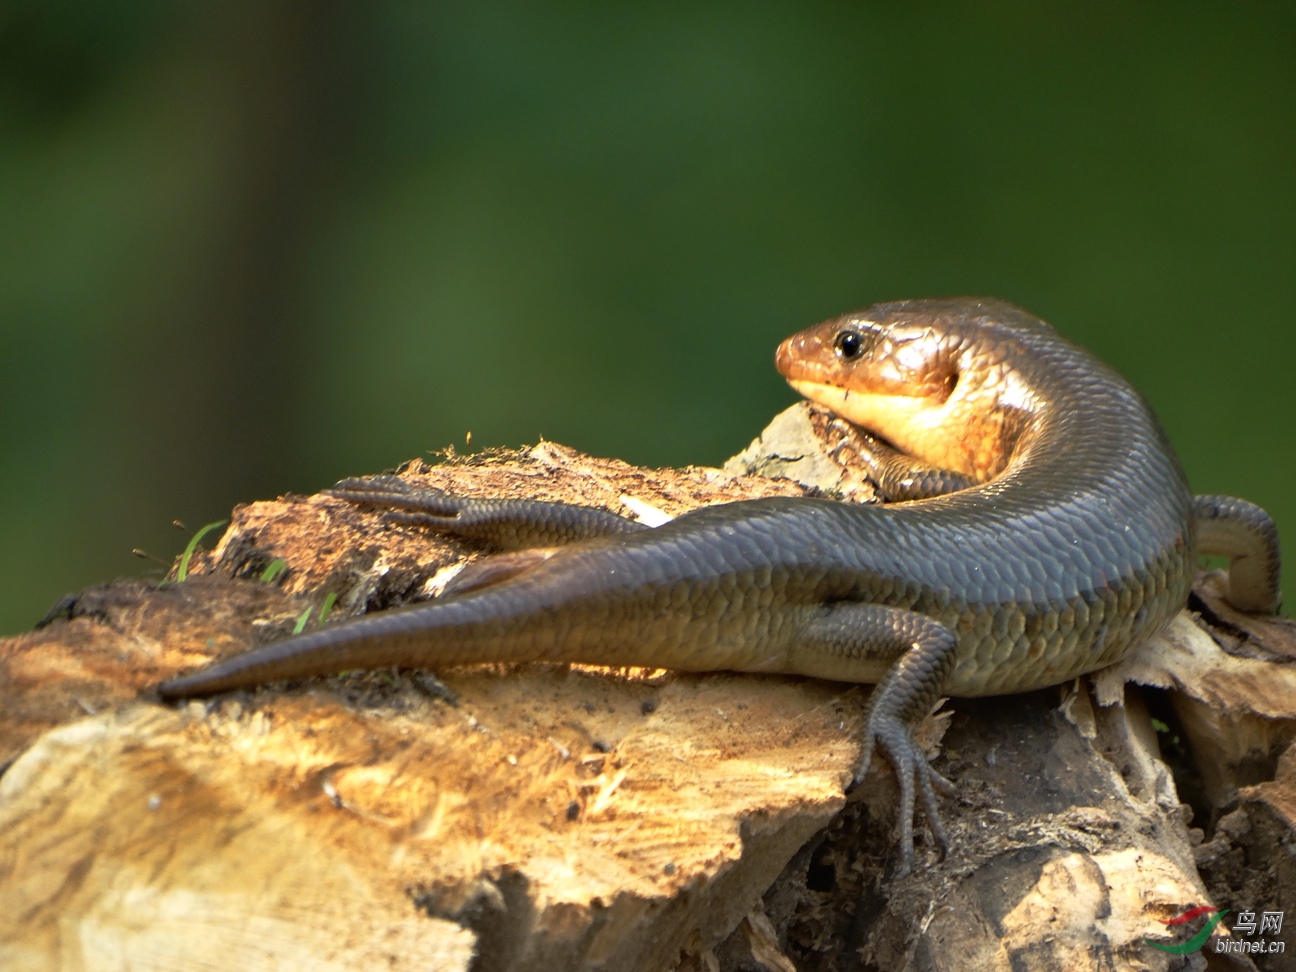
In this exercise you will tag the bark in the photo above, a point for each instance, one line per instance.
(568, 817)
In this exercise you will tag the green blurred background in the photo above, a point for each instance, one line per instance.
(247, 248)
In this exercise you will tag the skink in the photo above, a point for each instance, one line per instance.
(1041, 529)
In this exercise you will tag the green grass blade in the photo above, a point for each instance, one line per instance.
(329, 600)
(273, 570)
(183, 570)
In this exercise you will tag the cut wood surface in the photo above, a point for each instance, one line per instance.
(568, 817)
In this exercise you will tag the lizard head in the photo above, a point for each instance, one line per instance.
(938, 379)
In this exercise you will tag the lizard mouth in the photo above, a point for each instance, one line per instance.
(813, 364)
(880, 414)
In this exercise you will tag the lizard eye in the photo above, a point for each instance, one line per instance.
(849, 344)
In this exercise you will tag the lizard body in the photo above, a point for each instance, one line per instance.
(1044, 530)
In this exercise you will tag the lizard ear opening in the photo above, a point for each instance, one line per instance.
(951, 382)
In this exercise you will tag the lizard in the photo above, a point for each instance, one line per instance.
(1038, 527)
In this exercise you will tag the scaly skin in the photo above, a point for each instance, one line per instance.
(1049, 531)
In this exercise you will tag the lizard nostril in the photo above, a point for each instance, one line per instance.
(783, 357)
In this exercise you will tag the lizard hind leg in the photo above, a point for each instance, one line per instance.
(915, 654)
(503, 524)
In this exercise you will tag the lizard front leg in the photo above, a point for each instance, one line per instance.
(1246, 534)
(902, 477)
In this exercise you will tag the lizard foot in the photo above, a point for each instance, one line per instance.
(916, 778)
(417, 505)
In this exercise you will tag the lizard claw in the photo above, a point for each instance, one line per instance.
(915, 777)
(418, 504)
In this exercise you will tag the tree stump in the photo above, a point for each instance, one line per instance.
(550, 817)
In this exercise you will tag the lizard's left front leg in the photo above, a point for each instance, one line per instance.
(1245, 533)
